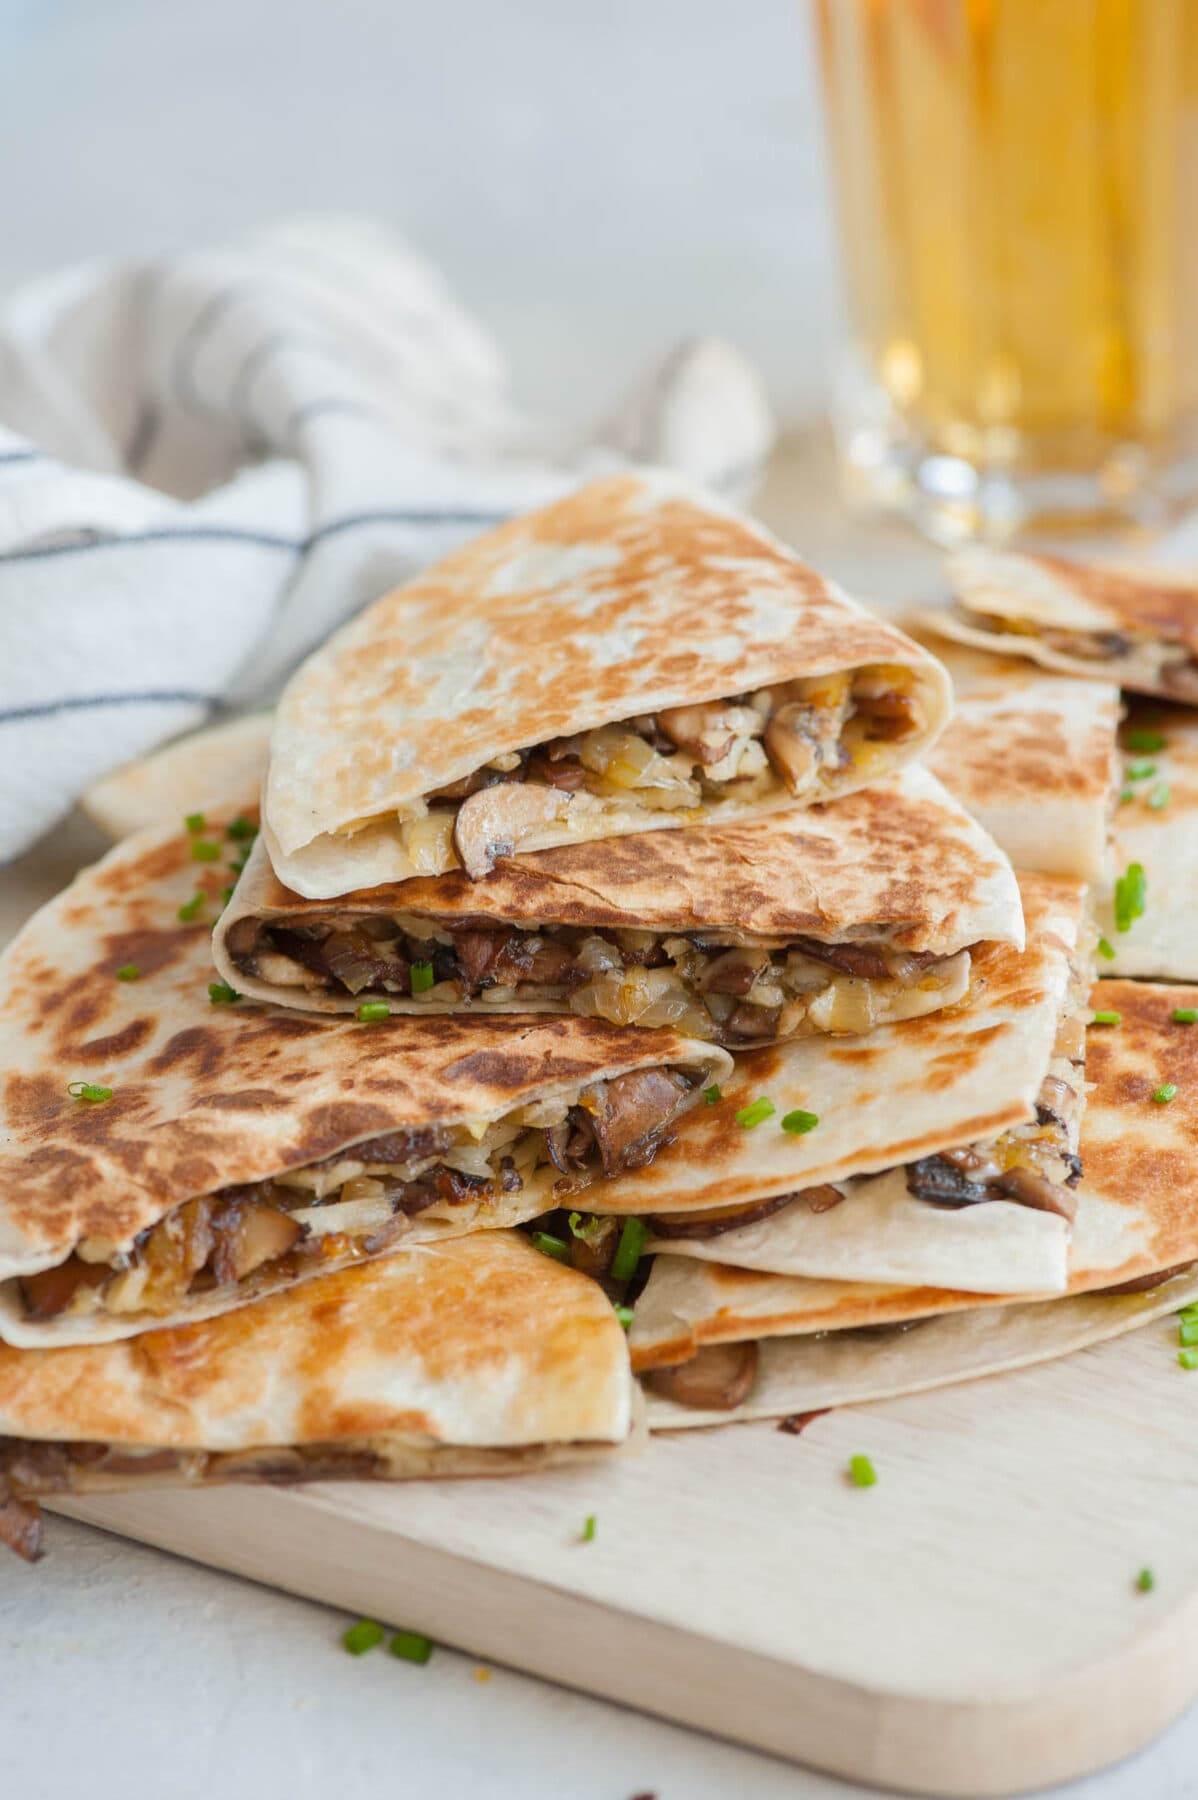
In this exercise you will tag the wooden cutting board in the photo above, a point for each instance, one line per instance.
(968, 1626)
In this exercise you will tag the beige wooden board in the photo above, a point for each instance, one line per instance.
(968, 1626)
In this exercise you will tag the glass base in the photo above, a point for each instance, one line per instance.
(887, 466)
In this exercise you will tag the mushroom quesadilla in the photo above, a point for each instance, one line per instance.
(939, 1153)
(633, 657)
(1133, 1255)
(1133, 625)
(1034, 759)
(478, 1356)
(169, 1151)
(836, 920)
(1146, 906)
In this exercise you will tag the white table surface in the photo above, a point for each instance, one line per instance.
(598, 180)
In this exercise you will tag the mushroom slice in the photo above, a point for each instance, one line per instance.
(716, 1379)
(792, 745)
(492, 822)
(709, 731)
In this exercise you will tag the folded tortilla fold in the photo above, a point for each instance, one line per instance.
(1155, 828)
(856, 914)
(902, 1095)
(474, 1356)
(1136, 625)
(797, 1375)
(170, 1151)
(668, 661)
(1137, 1217)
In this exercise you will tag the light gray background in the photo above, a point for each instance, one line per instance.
(598, 177)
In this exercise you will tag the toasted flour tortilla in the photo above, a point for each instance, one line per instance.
(849, 1368)
(1136, 625)
(897, 882)
(1156, 827)
(627, 600)
(1137, 1217)
(902, 1093)
(369, 1136)
(1034, 759)
(474, 1356)
(220, 766)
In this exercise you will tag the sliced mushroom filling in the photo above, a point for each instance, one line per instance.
(363, 1200)
(1136, 658)
(731, 995)
(800, 736)
(1036, 1164)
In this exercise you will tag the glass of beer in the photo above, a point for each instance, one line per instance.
(1017, 189)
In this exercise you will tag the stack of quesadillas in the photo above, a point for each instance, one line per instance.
(625, 976)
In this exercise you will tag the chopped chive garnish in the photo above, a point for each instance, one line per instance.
(588, 1530)
(131, 972)
(713, 1093)
(798, 1123)
(584, 1225)
(195, 822)
(370, 1010)
(1145, 1581)
(1131, 892)
(1160, 796)
(1140, 771)
(1165, 1093)
(422, 977)
(1185, 1015)
(755, 1113)
(1144, 743)
(204, 850)
(1106, 949)
(1107, 1018)
(89, 1091)
(363, 1637)
(221, 994)
(239, 862)
(1187, 1331)
(549, 1245)
(1127, 796)
(242, 830)
(628, 1250)
(1188, 1358)
(862, 1472)
(226, 894)
(624, 1314)
(412, 1646)
(191, 908)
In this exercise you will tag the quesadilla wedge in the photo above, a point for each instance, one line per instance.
(1136, 625)
(632, 657)
(835, 920)
(218, 766)
(942, 1152)
(1145, 907)
(169, 1151)
(1033, 758)
(478, 1356)
(787, 1376)
(1133, 1256)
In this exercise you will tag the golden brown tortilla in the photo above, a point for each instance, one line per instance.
(633, 595)
(206, 1095)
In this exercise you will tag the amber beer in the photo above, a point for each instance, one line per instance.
(1017, 186)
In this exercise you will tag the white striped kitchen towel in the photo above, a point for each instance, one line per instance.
(207, 463)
